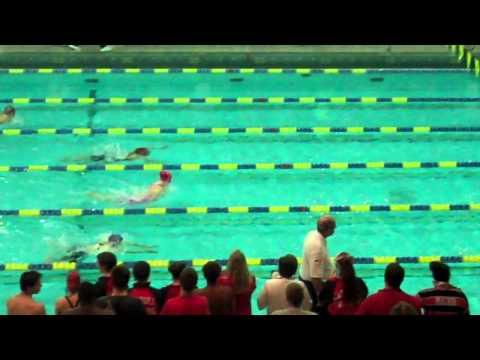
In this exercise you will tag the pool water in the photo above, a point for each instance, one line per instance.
(215, 236)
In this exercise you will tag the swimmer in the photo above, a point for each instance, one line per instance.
(138, 153)
(115, 244)
(7, 115)
(155, 191)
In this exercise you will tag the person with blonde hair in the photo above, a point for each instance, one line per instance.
(243, 283)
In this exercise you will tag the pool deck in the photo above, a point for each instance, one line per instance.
(230, 56)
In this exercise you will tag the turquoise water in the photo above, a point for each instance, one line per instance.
(37, 240)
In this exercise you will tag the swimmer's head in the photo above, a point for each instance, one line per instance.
(73, 282)
(115, 239)
(142, 151)
(9, 110)
(166, 176)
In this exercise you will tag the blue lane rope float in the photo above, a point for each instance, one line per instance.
(118, 131)
(237, 100)
(243, 71)
(199, 210)
(239, 166)
(374, 260)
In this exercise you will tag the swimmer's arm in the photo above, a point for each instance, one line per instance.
(141, 252)
(141, 246)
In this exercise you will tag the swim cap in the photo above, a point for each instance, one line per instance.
(9, 110)
(115, 238)
(73, 282)
(166, 176)
(142, 151)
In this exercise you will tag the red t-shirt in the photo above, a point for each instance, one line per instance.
(383, 301)
(186, 305)
(173, 291)
(243, 304)
(338, 306)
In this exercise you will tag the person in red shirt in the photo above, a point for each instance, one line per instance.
(241, 281)
(188, 303)
(384, 300)
(348, 290)
(142, 289)
(106, 262)
(172, 290)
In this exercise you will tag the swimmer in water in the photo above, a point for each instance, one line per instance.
(7, 115)
(138, 153)
(155, 191)
(115, 244)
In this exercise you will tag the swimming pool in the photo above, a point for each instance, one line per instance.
(358, 143)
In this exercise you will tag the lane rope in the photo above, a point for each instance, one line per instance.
(374, 260)
(240, 130)
(239, 166)
(197, 210)
(237, 100)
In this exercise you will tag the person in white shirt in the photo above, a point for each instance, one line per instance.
(317, 266)
(273, 296)
(295, 295)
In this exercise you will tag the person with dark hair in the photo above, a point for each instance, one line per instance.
(87, 297)
(7, 115)
(119, 301)
(106, 262)
(69, 301)
(443, 298)
(273, 296)
(382, 302)
(348, 290)
(188, 303)
(403, 308)
(317, 266)
(294, 293)
(23, 303)
(220, 298)
(243, 283)
(142, 289)
(175, 268)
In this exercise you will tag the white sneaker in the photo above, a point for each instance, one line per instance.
(74, 47)
(106, 48)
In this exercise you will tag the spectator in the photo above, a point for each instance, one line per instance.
(273, 296)
(106, 262)
(188, 303)
(142, 289)
(119, 301)
(220, 298)
(23, 303)
(443, 298)
(87, 297)
(241, 281)
(316, 266)
(384, 300)
(403, 308)
(348, 290)
(69, 301)
(295, 296)
(172, 290)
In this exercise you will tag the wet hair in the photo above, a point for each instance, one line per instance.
(115, 238)
(188, 279)
(403, 308)
(29, 279)
(107, 260)
(120, 277)
(394, 274)
(211, 272)
(294, 293)
(344, 264)
(176, 268)
(440, 271)
(87, 294)
(287, 266)
(142, 151)
(9, 110)
(237, 268)
(141, 271)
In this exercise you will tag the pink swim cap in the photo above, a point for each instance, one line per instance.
(166, 176)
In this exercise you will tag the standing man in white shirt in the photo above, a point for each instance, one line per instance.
(317, 266)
